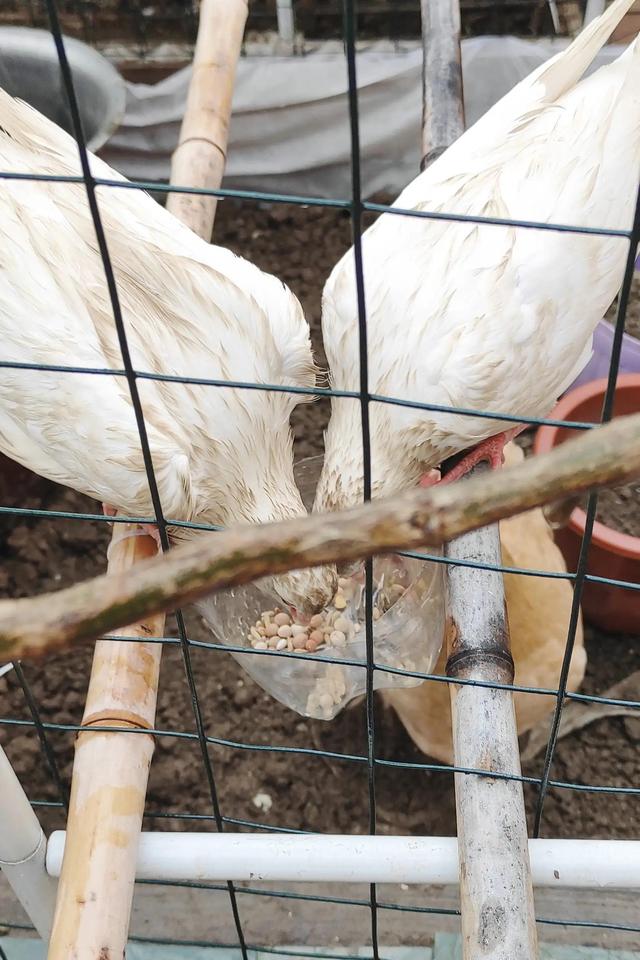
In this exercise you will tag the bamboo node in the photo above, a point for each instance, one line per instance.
(211, 143)
(116, 718)
(494, 660)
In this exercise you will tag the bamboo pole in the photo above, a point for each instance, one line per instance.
(200, 156)
(109, 784)
(111, 770)
(605, 456)
(442, 102)
(496, 892)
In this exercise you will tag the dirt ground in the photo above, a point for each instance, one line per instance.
(306, 792)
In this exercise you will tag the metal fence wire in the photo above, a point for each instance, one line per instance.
(356, 207)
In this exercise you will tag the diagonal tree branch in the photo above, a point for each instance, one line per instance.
(604, 456)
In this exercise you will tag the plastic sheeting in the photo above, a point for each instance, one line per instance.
(290, 127)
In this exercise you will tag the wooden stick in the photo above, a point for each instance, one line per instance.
(200, 156)
(110, 770)
(496, 893)
(605, 456)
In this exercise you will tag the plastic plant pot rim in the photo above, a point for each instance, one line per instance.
(622, 544)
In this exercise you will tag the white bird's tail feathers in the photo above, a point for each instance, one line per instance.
(565, 69)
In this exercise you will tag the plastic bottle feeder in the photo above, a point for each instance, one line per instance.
(612, 554)
(408, 629)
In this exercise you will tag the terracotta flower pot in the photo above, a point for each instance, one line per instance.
(612, 554)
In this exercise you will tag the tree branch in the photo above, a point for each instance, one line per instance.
(604, 456)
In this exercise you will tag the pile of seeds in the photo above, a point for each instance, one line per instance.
(327, 693)
(277, 630)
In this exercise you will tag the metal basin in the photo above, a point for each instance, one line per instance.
(29, 70)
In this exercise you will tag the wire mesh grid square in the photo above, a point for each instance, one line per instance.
(200, 736)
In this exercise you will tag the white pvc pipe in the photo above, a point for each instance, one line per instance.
(346, 859)
(22, 851)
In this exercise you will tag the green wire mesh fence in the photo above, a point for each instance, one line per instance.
(201, 735)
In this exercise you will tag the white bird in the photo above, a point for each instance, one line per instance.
(487, 317)
(221, 455)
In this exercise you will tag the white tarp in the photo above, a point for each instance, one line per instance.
(290, 127)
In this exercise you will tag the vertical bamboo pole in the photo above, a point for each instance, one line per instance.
(496, 893)
(200, 156)
(109, 784)
(111, 769)
(442, 103)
